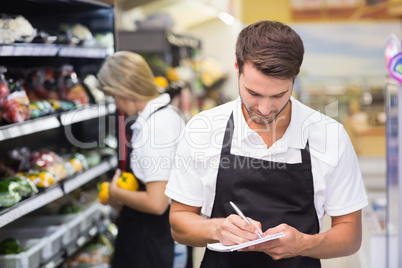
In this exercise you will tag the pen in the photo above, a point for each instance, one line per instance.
(238, 211)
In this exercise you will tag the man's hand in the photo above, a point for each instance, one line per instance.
(290, 245)
(235, 230)
(342, 239)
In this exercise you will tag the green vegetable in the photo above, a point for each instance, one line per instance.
(9, 193)
(9, 199)
(10, 246)
(9, 186)
(27, 187)
(69, 208)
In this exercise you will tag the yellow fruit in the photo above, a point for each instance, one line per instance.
(43, 184)
(161, 81)
(172, 75)
(46, 179)
(128, 181)
(104, 192)
(76, 163)
(104, 185)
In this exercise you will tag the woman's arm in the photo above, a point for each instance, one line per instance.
(151, 201)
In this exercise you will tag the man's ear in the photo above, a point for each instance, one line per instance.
(237, 67)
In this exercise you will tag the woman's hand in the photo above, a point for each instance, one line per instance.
(112, 191)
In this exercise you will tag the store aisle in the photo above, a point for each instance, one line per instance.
(344, 262)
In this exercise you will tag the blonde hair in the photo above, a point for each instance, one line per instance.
(127, 75)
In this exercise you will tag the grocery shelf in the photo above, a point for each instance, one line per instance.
(50, 50)
(28, 127)
(71, 249)
(87, 112)
(54, 192)
(81, 241)
(28, 205)
(75, 115)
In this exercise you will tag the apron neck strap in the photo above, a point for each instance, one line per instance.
(227, 142)
(305, 153)
(227, 139)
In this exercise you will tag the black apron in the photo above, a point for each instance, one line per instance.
(144, 240)
(270, 192)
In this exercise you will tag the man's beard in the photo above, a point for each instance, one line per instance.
(259, 120)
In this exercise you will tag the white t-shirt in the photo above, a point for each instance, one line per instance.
(154, 141)
(338, 184)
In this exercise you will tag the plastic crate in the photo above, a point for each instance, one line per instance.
(92, 216)
(72, 223)
(27, 259)
(51, 235)
(74, 228)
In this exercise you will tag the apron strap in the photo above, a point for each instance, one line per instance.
(160, 108)
(305, 154)
(227, 139)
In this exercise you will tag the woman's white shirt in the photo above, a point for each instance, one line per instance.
(155, 138)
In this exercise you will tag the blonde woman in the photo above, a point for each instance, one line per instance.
(144, 238)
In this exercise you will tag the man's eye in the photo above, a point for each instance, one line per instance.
(278, 96)
(252, 93)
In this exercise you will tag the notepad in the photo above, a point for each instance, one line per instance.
(222, 248)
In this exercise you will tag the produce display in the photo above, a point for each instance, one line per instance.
(16, 105)
(94, 255)
(33, 93)
(17, 29)
(39, 170)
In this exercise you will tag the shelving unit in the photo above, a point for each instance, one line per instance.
(168, 45)
(87, 125)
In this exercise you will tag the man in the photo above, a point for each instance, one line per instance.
(283, 164)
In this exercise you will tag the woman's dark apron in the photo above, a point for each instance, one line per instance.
(269, 192)
(144, 240)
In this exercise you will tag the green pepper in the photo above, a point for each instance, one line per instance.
(9, 193)
(10, 246)
(27, 187)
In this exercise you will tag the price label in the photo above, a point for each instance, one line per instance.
(7, 50)
(49, 50)
(14, 131)
(28, 51)
(27, 129)
(36, 50)
(19, 51)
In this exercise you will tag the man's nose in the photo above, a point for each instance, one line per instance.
(264, 107)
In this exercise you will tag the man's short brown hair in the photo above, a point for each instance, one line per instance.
(271, 47)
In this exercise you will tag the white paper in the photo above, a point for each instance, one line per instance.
(221, 248)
